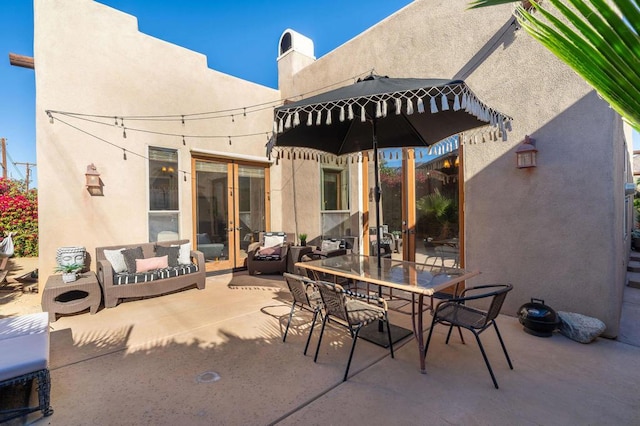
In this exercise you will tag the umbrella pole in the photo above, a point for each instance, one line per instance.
(376, 191)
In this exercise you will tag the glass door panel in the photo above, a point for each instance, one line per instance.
(437, 206)
(391, 216)
(230, 211)
(251, 206)
(212, 211)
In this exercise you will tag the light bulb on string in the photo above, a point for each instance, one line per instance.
(124, 132)
(183, 141)
(229, 140)
(124, 153)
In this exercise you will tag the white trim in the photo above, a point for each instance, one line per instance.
(233, 156)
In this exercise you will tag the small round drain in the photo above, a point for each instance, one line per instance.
(208, 377)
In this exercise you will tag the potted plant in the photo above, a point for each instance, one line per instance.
(70, 271)
(303, 239)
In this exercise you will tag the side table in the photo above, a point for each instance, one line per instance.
(59, 297)
(295, 253)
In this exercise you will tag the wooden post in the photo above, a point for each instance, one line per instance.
(3, 142)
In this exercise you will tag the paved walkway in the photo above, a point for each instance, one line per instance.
(216, 356)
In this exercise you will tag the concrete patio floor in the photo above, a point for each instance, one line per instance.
(157, 361)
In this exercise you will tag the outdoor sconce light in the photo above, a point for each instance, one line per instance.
(526, 153)
(92, 178)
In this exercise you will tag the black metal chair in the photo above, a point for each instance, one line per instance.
(305, 296)
(350, 311)
(455, 313)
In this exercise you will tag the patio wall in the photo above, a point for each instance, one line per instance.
(556, 231)
(92, 59)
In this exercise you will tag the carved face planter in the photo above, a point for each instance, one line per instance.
(70, 260)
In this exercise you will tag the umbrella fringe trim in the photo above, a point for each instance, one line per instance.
(461, 96)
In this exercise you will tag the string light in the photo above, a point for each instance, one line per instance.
(124, 132)
(183, 142)
(124, 150)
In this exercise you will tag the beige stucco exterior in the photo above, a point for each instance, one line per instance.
(556, 232)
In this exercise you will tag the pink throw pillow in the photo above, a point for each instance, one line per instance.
(270, 251)
(151, 263)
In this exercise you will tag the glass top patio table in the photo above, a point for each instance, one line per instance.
(408, 276)
(418, 279)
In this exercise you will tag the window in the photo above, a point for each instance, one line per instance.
(163, 193)
(335, 202)
(335, 194)
(285, 44)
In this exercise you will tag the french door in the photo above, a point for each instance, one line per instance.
(421, 208)
(230, 209)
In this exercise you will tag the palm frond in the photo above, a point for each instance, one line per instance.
(484, 3)
(598, 39)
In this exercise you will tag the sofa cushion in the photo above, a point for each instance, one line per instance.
(328, 245)
(24, 354)
(268, 253)
(184, 256)
(274, 240)
(116, 259)
(152, 263)
(177, 271)
(142, 277)
(172, 254)
(130, 256)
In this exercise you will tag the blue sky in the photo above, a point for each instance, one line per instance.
(238, 37)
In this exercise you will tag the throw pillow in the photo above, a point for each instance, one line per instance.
(328, 245)
(184, 257)
(116, 259)
(172, 254)
(130, 256)
(270, 251)
(273, 240)
(151, 263)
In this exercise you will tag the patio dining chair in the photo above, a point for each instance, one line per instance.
(351, 311)
(305, 296)
(456, 313)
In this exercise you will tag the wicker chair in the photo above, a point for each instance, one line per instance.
(350, 311)
(305, 296)
(455, 313)
(268, 263)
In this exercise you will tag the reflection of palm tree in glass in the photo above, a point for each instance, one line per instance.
(443, 208)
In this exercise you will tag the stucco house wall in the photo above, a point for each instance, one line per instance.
(555, 232)
(92, 59)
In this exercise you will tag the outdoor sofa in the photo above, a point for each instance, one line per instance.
(185, 268)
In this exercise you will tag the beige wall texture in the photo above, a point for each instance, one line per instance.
(555, 232)
(92, 59)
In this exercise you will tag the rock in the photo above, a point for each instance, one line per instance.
(580, 328)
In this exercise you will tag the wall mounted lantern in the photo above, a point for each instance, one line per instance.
(526, 153)
(92, 177)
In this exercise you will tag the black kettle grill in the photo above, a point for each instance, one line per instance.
(537, 318)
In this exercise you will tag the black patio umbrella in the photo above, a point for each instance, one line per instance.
(382, 112)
